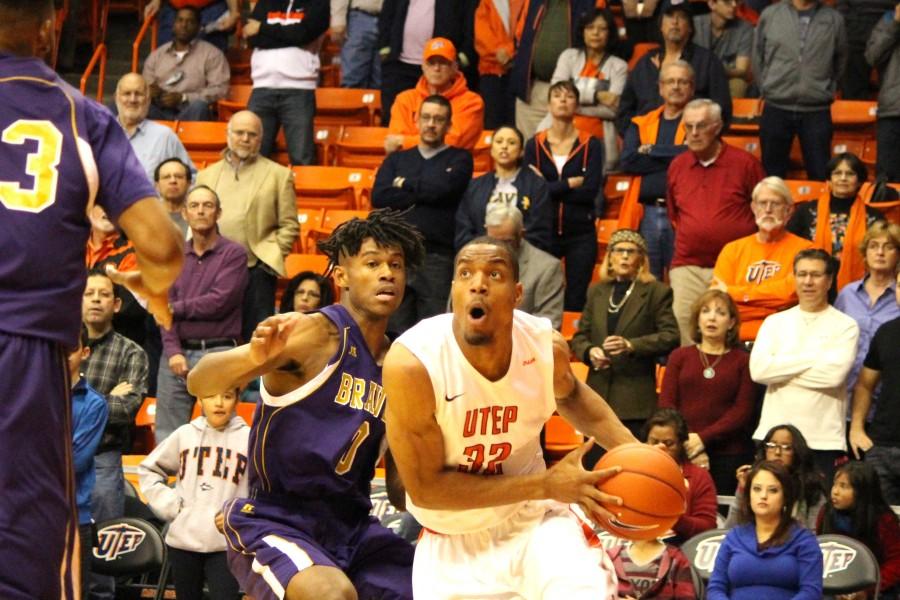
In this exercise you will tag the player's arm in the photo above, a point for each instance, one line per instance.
(275, 342)
(416, 442)
(582, 406)
(158, 247)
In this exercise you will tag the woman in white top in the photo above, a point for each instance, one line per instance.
(599, 76)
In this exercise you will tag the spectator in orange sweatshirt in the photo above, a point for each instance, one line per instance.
(756, 270)
(495, 42)
(440, 75)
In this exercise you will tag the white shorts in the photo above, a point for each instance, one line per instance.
(540, 552)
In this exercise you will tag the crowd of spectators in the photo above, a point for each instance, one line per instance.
(711, 253)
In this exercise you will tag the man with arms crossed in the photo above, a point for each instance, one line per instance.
(58, 154)
(305, 532)
(470, 392)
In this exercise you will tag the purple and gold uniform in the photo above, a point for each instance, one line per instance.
(312, 457)
(59, 152)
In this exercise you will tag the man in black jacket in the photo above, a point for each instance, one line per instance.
(429, 180)
(286, 36)
(641, 92)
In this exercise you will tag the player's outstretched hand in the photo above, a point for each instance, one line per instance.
(270, 337)
(568, 482)
(157, 304)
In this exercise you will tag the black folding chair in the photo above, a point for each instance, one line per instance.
(131, 548)
(701, 550)
(848, 566)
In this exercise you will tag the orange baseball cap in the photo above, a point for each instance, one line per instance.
(439, 47)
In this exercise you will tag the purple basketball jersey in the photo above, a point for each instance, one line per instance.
(58, 151)
(324, 447)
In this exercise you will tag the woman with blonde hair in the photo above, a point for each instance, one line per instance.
(710, 384)
(627, 323)
(870, 300)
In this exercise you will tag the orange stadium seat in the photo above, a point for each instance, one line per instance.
(330, 187)
(560, 437)
(310, 219)
(361, 147)
(853, 114)
(203, 140)
(325, 137)
(569, 323)
(297, 263)
(840, 144)
(333, 218)
(236, 100)
(804, 191)
(748, 143)
(613, 193)
(347, 106)
(745, 115)
(870, 152)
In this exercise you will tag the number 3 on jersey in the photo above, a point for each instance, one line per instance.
(497, 453)
(40, 165)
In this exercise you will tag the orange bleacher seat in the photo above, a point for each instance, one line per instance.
(745, 115)
(297, 263)
(804, 191)
(640, 49)
(613, 193)
(745, 142)
(236, 100)
(347, 106)
(325, 137)
(333, 218)
(560, 437)
(331, 187)
(310, 220)
(173, 125)
(840, 144)
(481, 154)
(870, 152)
(853, 114)
(203, 140)
(361, 147)
(569, 323)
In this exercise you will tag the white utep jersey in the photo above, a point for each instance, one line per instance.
(489, 427)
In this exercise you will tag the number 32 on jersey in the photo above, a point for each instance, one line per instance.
(41, 165)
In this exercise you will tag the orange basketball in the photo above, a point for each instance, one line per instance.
(652, 489)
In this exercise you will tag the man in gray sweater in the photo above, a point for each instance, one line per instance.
(799, 54)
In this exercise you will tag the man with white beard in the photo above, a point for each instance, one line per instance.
(756, 270)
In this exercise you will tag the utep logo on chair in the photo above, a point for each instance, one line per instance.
(707, 550)
(836, 557)
(115, 540)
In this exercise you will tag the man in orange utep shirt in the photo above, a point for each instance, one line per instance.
(440, 75)
(756, 271)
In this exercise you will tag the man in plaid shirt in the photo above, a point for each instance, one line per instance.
(117, 369)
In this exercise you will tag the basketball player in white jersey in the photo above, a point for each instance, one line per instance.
(469, 393)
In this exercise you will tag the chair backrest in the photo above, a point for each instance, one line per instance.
(481, 154)
(127, 546)
(310, 220)
(640, 49)
(325, 137)
(246, 410)
(361, 147)
(347, 106)
(702, 549)
(570, 323)
(333, 218)
(804, 190)
(848, 565)
(331, 187)
(748, 143)
(853, 114)
(297, 263)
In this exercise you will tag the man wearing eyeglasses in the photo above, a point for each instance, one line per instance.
(756, 270)
(803, 356)
(708, 203)
(429, 180)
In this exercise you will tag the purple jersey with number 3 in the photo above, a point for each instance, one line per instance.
(321, 441)
(58, 153)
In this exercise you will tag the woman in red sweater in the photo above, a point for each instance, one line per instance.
(858, 509)
(710, 384)
(666, 428)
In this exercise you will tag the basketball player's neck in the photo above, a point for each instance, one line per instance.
(372, 327)
(491, 359)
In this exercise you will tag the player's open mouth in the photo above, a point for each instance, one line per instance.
(477, 313)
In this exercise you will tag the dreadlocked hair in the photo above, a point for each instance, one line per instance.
(385, 226)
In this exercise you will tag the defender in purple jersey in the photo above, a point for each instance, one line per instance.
(305, 531)
(59, 153)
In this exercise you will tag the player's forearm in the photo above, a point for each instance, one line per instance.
(452, 490)
(219, 372)
(157, 243)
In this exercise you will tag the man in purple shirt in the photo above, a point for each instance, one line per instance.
(206, 302)
(59, 153)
